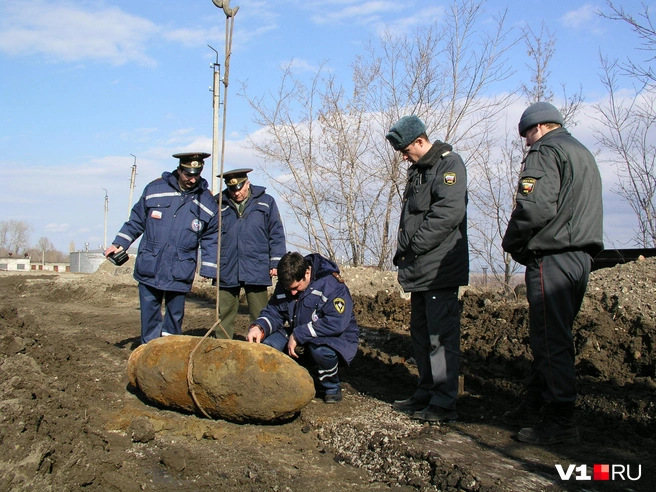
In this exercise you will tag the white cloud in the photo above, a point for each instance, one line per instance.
(138, 134)
(420, 18)
(355, 13)
(585, 17)
(299, 65)
(64, 31)
(254, 20)
(57, 227)
(374, 14)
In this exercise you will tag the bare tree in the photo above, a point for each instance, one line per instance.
(627, 122)
(493, 192)
(14, 235)
(4, 234)
(45, 246)
(290, 144)
(340, 178)
(627, 130)
(499, 164)
(541, 48)
(643, 27)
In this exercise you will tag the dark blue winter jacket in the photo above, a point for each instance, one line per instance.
(251, 244)
(174, 224)
(322, 314)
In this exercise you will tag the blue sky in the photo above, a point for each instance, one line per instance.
(85, 84)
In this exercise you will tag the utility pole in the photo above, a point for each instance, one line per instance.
(106, 210)
(230, 25)
(132, 179)
(216, 175)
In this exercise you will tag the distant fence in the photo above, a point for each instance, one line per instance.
(611, 257)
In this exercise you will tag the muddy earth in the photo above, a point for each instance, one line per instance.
(69, 419)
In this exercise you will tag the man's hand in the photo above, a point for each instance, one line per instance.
(291, 347)
(255, 334)
(112, 249)
(273, 272)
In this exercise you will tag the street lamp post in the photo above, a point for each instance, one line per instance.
(106, 210)
(132, 179)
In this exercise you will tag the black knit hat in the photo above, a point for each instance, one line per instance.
(539, 112)
(405, 131)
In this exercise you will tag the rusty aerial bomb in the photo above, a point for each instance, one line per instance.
(231, 379)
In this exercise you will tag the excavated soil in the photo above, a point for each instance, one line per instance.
(69, 420)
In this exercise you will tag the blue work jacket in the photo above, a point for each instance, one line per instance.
(322, 314)
(174, 225)
(251, 244)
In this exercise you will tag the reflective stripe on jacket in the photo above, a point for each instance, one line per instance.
(174, 225)
(322, 314)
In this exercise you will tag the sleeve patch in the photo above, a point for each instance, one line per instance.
(527, 185)
(339, 304)
(449, 179)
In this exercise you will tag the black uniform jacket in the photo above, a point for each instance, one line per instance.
(432, 249)
(559, 201)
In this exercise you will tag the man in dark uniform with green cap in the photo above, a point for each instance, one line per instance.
(555, 230)
(432, 255)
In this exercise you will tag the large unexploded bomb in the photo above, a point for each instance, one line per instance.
(230, 379)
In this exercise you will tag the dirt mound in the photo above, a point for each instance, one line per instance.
(68, 419)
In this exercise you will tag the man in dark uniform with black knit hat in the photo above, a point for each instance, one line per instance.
(555, 230)
(432, 255)
(177, 215)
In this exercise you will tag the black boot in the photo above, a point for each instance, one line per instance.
(557, 426)
(526, 414)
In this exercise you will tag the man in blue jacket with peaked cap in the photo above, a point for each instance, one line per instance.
(176, 214)
(252, 243)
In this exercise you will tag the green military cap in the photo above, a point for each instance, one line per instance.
(236, 178)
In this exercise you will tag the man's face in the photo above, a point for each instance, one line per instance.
(534, 134)
(187, 181)
(415, 151)
(300, 285)
(240, 195)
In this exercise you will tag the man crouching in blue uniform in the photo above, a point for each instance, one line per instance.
(176, 214)
(311, 308)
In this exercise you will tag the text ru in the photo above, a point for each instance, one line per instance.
(600, 472)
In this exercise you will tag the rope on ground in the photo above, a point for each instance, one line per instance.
(230, 22)
(190, 367)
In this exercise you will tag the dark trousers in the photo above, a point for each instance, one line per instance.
(435, 334)
(152, 324)
(325, 359)
(555, 287)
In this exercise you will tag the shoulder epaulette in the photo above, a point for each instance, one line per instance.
(338, 277)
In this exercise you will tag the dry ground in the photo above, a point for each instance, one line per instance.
(69, 421)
